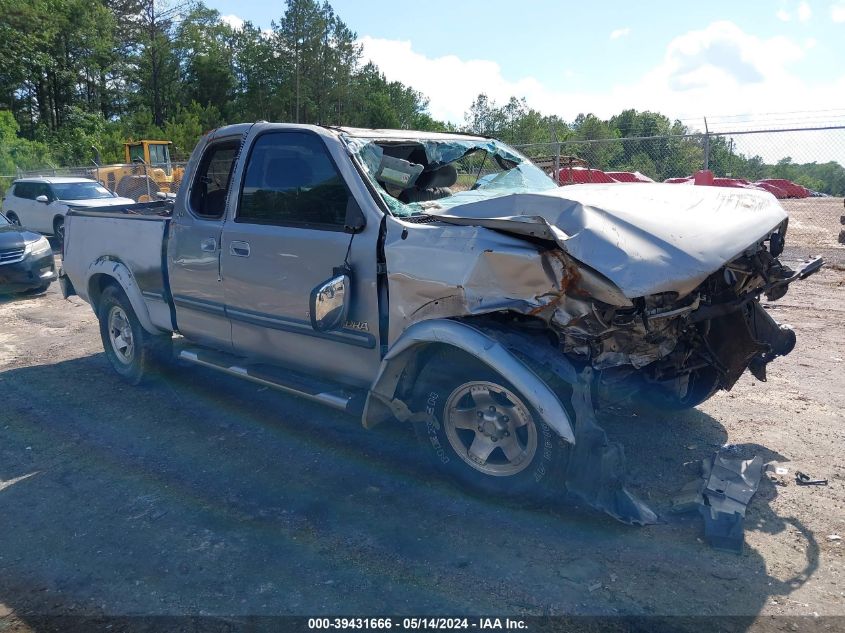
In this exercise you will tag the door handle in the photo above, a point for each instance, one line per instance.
(208, 245)
(239, 249)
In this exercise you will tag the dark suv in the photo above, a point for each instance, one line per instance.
(26, 260)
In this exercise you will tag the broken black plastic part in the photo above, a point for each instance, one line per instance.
(596, 471)
(803, 479)
(723, 530)
(776, 244)
(729, 485)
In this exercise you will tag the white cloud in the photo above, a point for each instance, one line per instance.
(236, 22)
(837, 12)
(810, 42)
(717, 70)
(617, 33)
(783, 15)
(804, 12)
(451, 83)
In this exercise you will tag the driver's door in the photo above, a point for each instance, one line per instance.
(286, 237)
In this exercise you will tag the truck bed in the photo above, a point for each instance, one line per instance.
(130, 241)
(160, 208)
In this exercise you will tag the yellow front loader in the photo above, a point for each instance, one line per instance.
(146, 172)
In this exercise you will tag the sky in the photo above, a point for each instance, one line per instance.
(742, 65)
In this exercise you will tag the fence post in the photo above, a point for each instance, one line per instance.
(557, 163)
(147, 179)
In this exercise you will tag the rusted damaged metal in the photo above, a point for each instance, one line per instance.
(569, 281)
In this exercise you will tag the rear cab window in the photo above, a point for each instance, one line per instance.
(210, 188)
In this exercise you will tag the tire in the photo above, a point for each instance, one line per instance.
(481, 433)
(134, 353)
(13, 218)
(136, 186)
(59, 230)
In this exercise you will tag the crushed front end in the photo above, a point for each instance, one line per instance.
(620, 292)
(678, 351)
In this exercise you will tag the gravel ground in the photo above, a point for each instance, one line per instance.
(204, 495)
(814, 226)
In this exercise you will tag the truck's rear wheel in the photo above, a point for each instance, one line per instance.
(133, 352)
(482, 433)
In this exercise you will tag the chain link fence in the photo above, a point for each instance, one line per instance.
(803, 168)
(139, 181)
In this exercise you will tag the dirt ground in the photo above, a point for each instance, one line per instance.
(814, 225)
(204, 495)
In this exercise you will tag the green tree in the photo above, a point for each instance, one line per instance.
(206, 47)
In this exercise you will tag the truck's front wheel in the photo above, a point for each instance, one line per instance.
(481, 432)
(131, 350)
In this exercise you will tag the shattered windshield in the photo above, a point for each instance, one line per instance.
(431, 176)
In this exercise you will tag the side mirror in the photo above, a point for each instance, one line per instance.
(330, 302)
(355, 220)
(43, 199)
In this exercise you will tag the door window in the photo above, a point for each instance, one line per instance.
(25, 190)
(291, 180)
(43, 189)
(211, 182)
(136, 152)
(156, 155)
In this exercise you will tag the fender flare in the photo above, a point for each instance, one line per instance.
(381, 402)
(120, 273)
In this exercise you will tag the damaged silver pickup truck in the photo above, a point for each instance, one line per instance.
(446, 282)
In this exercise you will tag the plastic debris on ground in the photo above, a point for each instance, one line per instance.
(730, 484)
(721, 496)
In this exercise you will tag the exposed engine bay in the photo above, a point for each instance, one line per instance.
(687, 348)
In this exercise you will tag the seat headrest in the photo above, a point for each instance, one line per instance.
(444, 176)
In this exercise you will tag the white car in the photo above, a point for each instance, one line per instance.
(40, 204)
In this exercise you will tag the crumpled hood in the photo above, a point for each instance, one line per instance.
(645, 238)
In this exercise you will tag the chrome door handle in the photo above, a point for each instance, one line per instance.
(209, 245)
(239, 249)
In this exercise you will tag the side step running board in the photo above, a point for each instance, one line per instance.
(283, 380)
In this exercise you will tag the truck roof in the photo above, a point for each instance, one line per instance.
(358, 132)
